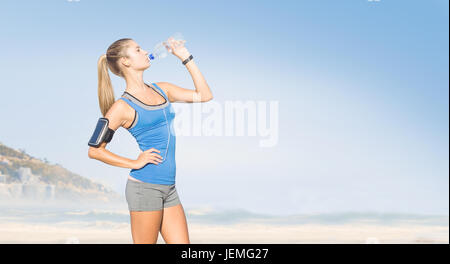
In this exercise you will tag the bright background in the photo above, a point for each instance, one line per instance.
(362, 89)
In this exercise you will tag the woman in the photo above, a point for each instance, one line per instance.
(146, 112)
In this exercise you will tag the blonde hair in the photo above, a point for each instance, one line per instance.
(107, 61)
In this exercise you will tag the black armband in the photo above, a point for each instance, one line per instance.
(102, 133)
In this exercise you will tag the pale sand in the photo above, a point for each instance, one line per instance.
(105, 233)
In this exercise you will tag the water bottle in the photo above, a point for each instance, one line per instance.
(160, 51)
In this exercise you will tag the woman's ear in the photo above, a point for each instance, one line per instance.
(124, 61)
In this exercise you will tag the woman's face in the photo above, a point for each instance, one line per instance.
(137, 57)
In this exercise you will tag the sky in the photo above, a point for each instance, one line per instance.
(361, 92)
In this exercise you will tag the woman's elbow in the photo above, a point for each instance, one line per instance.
(208, 99)
(92, 152)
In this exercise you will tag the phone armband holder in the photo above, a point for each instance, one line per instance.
(102, 133)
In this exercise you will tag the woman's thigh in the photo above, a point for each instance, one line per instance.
(174, 229)
(145, 226)
(145, 203)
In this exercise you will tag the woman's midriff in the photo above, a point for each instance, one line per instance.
(133, 179)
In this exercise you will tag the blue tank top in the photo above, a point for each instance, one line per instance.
(153, 128)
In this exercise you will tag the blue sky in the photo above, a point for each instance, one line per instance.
(362, 90)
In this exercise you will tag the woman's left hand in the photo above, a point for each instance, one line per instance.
(177, 48)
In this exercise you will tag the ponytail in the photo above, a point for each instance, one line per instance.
(106, 96)
(107, 61)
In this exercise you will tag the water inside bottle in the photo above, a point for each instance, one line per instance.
(162, 49)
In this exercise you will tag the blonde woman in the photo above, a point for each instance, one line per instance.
(145, 110)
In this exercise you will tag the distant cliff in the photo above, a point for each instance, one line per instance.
(25, 177)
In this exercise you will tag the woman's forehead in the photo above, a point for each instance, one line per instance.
(133, 44)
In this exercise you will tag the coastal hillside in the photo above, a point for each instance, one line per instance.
(23, 176)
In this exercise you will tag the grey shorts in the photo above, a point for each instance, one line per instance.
(144, 196)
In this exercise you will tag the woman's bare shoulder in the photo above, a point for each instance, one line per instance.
(120, 114)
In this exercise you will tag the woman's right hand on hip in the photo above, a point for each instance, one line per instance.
(148, 157)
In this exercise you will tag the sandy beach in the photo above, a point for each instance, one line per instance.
(102, 233)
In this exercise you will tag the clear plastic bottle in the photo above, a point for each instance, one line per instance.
(160, 51)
